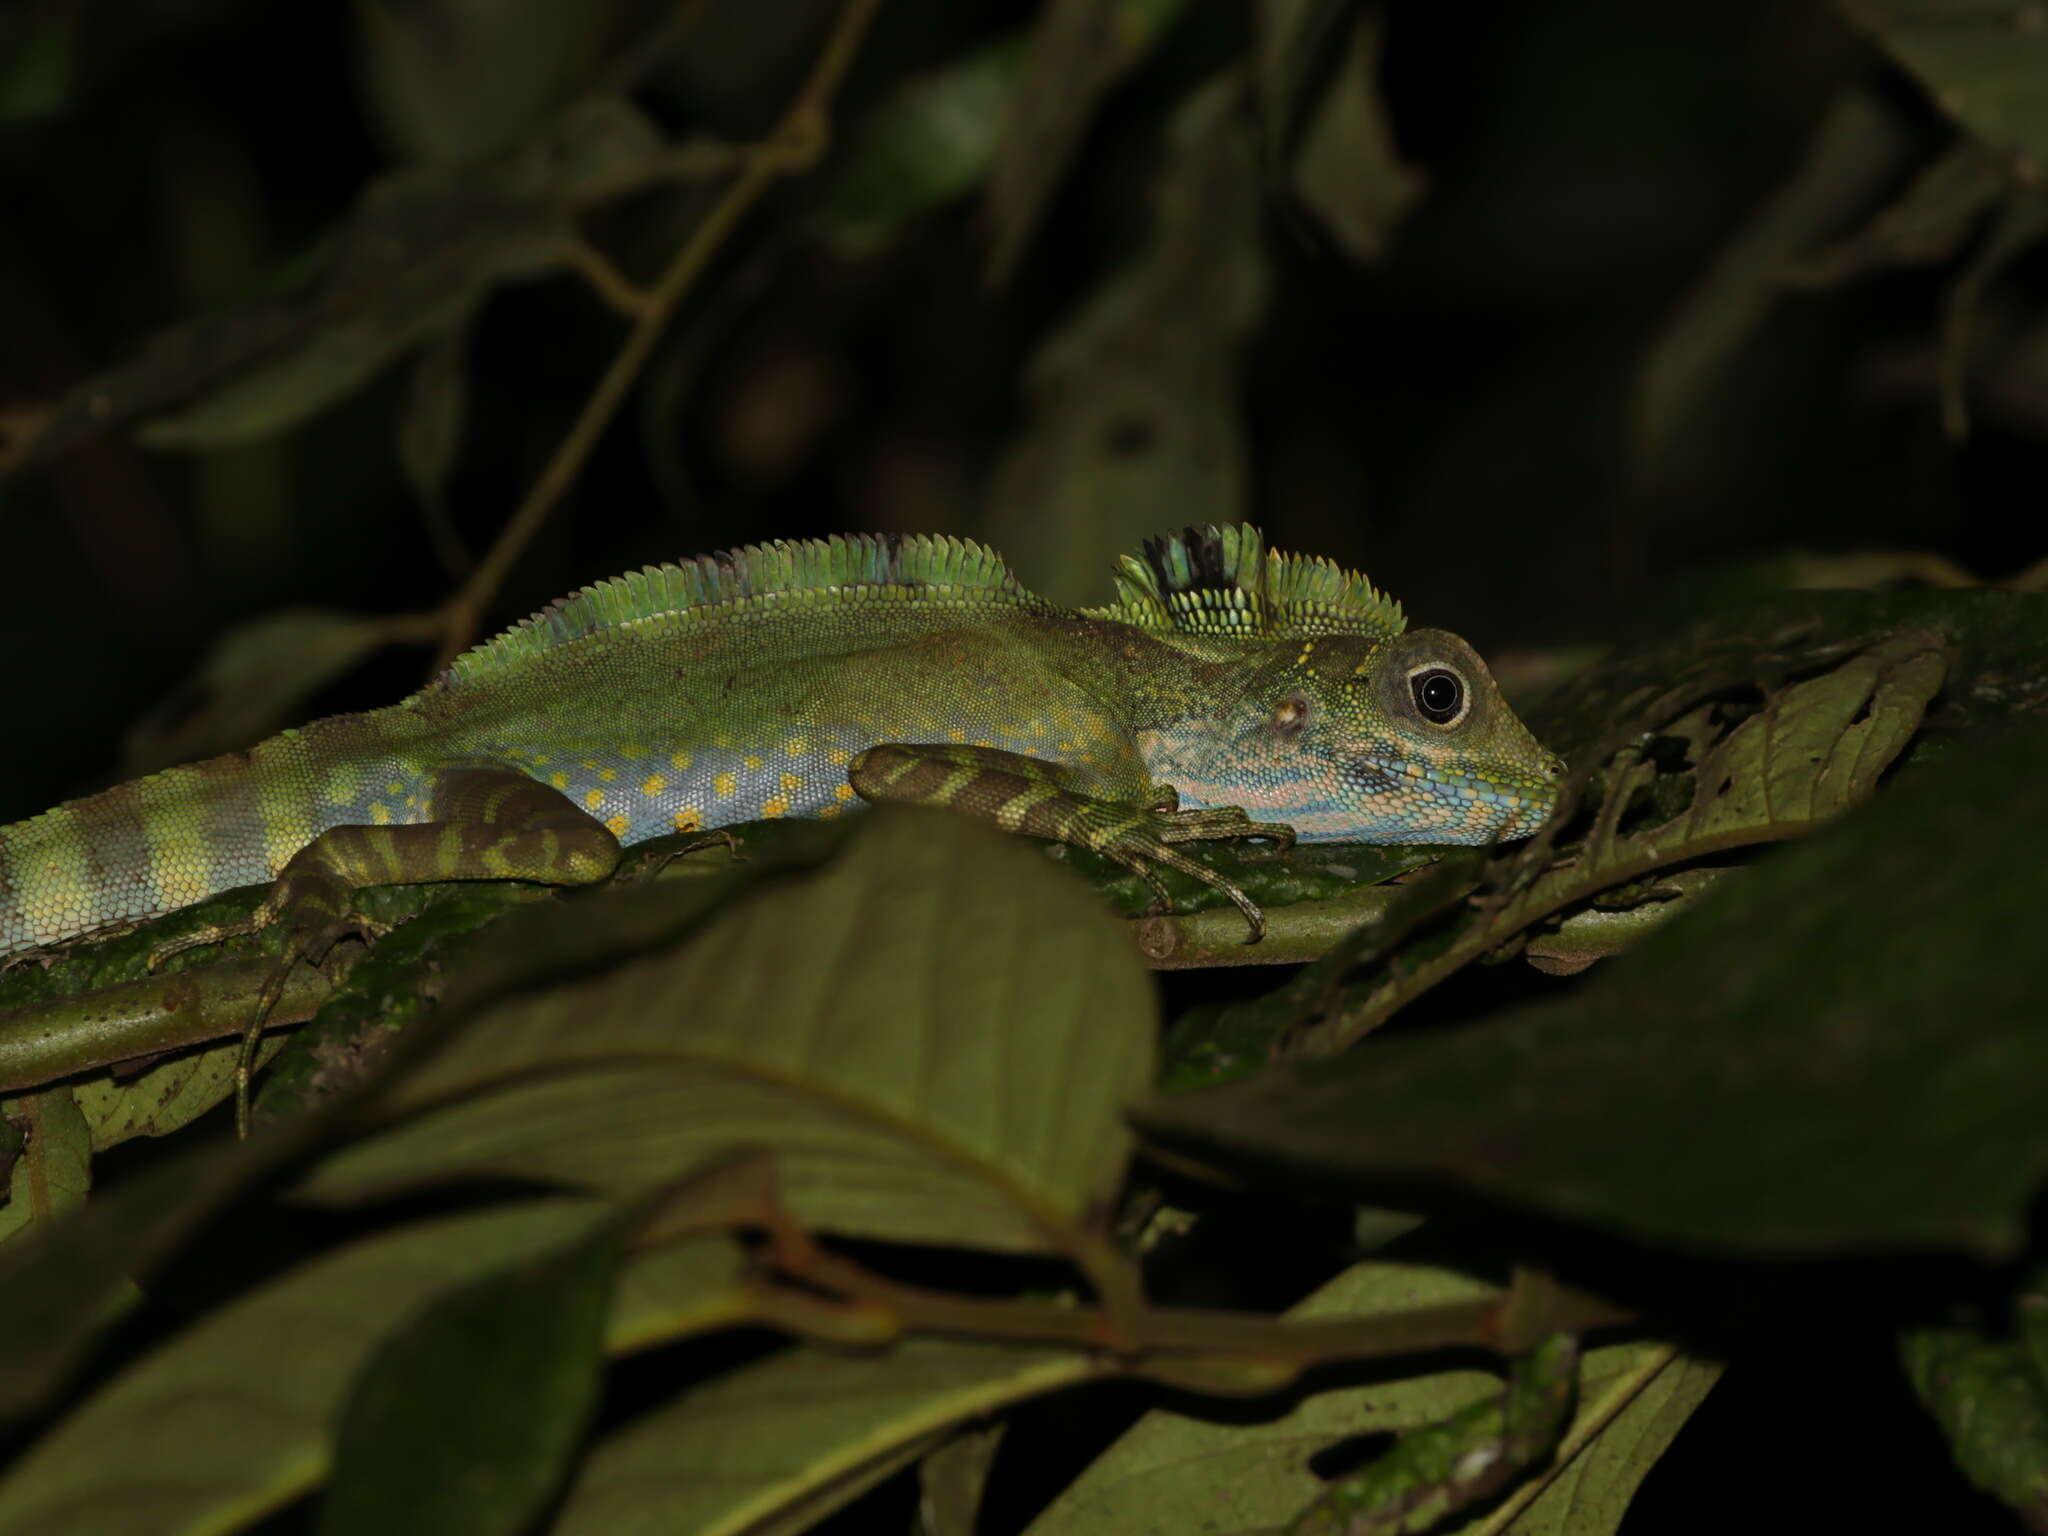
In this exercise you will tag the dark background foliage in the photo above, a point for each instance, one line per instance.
(1465, 418)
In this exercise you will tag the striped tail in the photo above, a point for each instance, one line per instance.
(153, 845)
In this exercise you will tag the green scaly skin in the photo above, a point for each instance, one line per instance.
(798, 679)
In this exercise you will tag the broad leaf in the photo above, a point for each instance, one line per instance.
(1078, 50)
(231, 1418)
(464, 1419)
(1842, 1050)
(1990, 1404)
(777, 1444)
(933, 1035)
(53, 1170)
(1985, 65)
(931, 142)
(1348, 172)
(1177, 1471)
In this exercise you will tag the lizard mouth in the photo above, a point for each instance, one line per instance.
(1460, 805)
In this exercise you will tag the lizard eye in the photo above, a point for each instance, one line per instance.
(1440, 695)
(1291, 716)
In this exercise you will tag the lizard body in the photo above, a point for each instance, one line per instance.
(796, 679)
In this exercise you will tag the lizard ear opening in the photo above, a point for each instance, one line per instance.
(1290, 717)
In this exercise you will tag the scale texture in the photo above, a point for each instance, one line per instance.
(798, 679)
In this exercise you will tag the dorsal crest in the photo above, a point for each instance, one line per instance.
(848, 568)
(1225, 582)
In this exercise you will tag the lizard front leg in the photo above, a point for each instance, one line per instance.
(1035, 797)
(483, 824)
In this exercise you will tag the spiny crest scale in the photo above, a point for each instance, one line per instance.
(844, 568)
(1224, 581)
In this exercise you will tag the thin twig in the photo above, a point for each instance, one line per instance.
(795, 145)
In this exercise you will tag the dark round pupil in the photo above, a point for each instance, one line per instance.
(1438, 695)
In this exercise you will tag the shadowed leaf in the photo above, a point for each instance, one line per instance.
(1986, 65)
(872, 1025)
(1347, 171)
(231, 1417)
(931, 142)
(1784, 1070)
(1078, 50)
(53, 1171)
(464, 1419)
(1990, 1405)
(1175, 1471)
(779, 1444)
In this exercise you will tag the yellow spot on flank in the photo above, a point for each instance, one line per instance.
(838, 757)
(956, 735)
(1038, 728)
(843, 792)
(984, 741)
(616, 825)
(653, 784)
(341, 786)
(380, 813)
(680, 761)
(725, 783)
(689, 819)
(776, 807)
(827, 812)
(412, 802)
(394, 788)
(559, 780)
(751, 760)
(608, 774)
(590, 765)
(796, 746)
(792, 782)
(593, 799)
(540, 759)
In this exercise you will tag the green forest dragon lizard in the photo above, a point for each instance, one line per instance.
(797, 679)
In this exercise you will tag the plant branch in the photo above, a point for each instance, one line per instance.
(795, 145)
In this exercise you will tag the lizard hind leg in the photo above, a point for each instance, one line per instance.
(483, 823)
(1034, 796)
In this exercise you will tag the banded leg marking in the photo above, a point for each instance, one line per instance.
(1030, 795)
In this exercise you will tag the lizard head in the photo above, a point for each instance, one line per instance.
(1350, 738)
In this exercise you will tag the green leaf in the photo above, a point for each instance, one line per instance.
(1927, 224)
(1633, 1400)
(1841, 1051)
(933, 1034)
(1347, 170)
(952, 1480)
(1175, 1471)
(1993, 1410)
(1984, 65)
(421, 250)
(1294, 43)
(232, 1417)
(778, 1444)
(450, 80)
(1079, 49)
(1134, 400)
(931, 142)
(464, 1420)
(164, 1096)
(54, 1169)
(38, 61)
